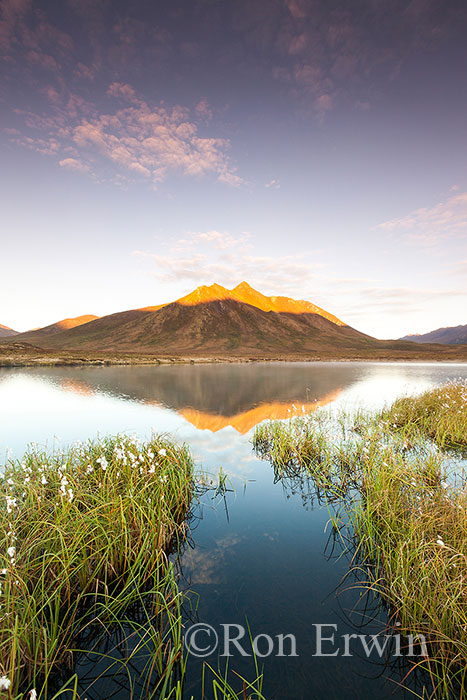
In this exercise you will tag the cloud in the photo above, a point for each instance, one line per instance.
(204, 111)
(135, 140)
(214, 256)
(324, 103)
(428, 226)
(347, 53)
(10, 15)
(74, 164)
(297, 8)
(273, 184)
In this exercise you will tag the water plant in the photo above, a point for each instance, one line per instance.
(439, 413)
(85, 533)
(406, 513)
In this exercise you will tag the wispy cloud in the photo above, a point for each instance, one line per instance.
(214, 256)
(328, 56)
(74, 164)
(10, 16)
(429, 226)
(137, 140)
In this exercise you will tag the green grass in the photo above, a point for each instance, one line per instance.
(87, 572)
(439, 413)
(85, 533)
(406, 516)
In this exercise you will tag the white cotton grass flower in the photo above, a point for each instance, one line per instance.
(103, 462)
(4, 683)
(11, 551)
(32, 694)
(440, 542)
(10, 504)
(70, 495)
(43, 480)
(162, 452)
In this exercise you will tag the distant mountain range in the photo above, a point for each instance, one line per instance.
(213, 321)
(6, 332)
(452, 335)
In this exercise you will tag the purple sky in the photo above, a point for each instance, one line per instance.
(315, 149)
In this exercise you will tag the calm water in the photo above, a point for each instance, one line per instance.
(266, 554)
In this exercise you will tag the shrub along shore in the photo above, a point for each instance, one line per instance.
(406, 511)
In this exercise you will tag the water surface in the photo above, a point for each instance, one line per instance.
(269, 558)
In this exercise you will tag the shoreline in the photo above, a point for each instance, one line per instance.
(36, 357)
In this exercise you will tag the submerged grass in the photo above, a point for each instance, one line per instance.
(407, 515)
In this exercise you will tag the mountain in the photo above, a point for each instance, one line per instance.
(210, 321)
(6, 332)
(452, 335)
(54, 328)
(244, 293)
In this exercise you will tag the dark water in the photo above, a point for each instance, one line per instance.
(266, 553)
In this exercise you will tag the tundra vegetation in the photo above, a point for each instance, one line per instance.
(89, 543)
(397, 485)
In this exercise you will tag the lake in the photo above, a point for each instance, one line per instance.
(265, 553)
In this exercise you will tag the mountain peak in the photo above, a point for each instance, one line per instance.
(246, 294)
(244, 286)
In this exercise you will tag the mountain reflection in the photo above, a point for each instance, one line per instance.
(212, 397)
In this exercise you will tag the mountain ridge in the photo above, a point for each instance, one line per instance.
(6, 332)
(448, 335)
(245, 293)
(57, 327)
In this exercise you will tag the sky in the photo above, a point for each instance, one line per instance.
(314, 148)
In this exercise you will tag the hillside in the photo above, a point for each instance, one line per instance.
(215, 322)
(209, 321)
(453, 335)
(54, 328)
(6, 332)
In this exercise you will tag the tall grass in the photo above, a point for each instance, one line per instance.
(86, 572)
(407, 515)
(438, 413)
(84, 533)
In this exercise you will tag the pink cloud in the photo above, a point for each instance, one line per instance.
(85, 72)
(10, 15)
(137, 140)
(298, 44)
(324, 103)
(203, 110)
(122, 90)
(297, 8)
(74, 164)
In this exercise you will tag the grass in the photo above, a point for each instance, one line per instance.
(84, 533)
(438, 413)
(406, 514)
(86, 571)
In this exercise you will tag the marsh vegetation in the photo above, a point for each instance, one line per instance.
(401, 511)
